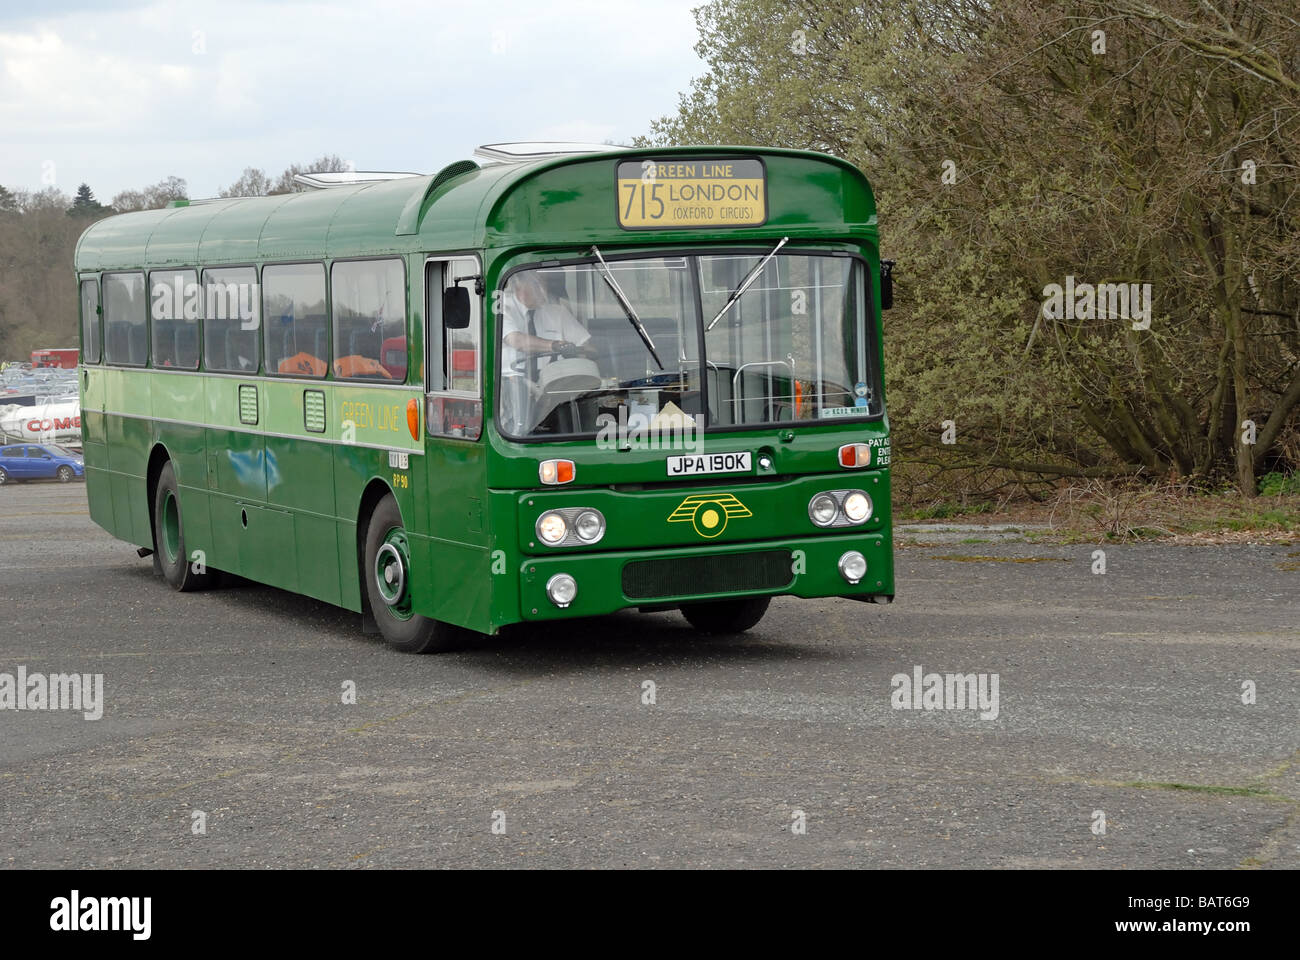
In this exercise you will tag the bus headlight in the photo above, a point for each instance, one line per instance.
(857, 506)
(570, 527)
(822, 509)
(590, 526)
(840, 508)
(562, 588)
(853, 566)
(551, 527)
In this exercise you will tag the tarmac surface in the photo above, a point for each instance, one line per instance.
(1119, 702)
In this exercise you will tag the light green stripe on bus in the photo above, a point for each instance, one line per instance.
(369, 415)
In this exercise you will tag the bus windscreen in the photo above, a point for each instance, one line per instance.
(790, 349)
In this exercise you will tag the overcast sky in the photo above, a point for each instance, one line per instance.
(121, 94)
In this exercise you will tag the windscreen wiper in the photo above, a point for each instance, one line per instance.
(627, 307)
(744, 285)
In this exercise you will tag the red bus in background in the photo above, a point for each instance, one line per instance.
(65, 357)
(393, 357)
(393, 354)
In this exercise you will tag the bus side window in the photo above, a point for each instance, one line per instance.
(461, 359)
(125, 313)
(231, 315)
(369, 303)
(175, 336)
(296, 327)
(89, 321)
(436, 368)
(452, 355)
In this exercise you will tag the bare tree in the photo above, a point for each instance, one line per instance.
(251, 183)
(330, 163)
(153, 197)
(1016, 147)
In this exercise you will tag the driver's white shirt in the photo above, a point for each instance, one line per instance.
(551, 321)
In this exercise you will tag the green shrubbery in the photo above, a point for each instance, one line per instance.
(1279, 484)
(1014, 145)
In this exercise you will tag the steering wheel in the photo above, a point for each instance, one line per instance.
(560, 350)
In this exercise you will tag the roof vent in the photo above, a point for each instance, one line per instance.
(346, 178)
(537, 150)
(450, 172)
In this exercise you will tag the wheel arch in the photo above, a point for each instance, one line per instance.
(159, 457)
(374, 492)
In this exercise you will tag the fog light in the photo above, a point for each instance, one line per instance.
(853, 566)
(590, 526)
(822, 509)
(551, 527)
(857, 506)
(562, 588)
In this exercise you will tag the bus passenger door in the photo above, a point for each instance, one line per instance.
(456, 483)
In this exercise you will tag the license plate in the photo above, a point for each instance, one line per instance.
(710, 463)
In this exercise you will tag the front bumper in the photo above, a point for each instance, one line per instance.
(603, 588)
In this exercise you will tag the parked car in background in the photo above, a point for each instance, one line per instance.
(27, 461)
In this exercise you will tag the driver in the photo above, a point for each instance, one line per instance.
(536, 329)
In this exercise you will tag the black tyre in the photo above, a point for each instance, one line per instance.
(63, 474)
(726, 616)
(385, 571)
(170, 555)
(4, 477)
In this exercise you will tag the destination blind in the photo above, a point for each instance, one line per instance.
(662, 194)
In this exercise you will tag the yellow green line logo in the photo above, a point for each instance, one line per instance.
(709, 513)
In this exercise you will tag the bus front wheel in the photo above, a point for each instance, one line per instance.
(725, 616)
(386, 572)
(169, 552)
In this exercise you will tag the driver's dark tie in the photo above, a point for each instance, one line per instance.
(532, 357)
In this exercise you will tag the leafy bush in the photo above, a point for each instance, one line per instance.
(1279, 484)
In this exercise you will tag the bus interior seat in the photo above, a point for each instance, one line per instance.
(139, 346)
(186, 341)
(760, 395)
(363, 343)
(115, 342)
(164, 342)
(233, 345)
(621, 353)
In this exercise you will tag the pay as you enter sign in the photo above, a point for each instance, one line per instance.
(662, 194)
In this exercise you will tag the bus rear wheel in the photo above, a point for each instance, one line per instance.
(386, 573)
(170, 555)
(725, 616)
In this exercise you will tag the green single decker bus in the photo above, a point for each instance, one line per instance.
(550, 381)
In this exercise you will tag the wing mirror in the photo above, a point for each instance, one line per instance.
(455, 308)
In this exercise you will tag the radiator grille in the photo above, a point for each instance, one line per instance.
(727, 573)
